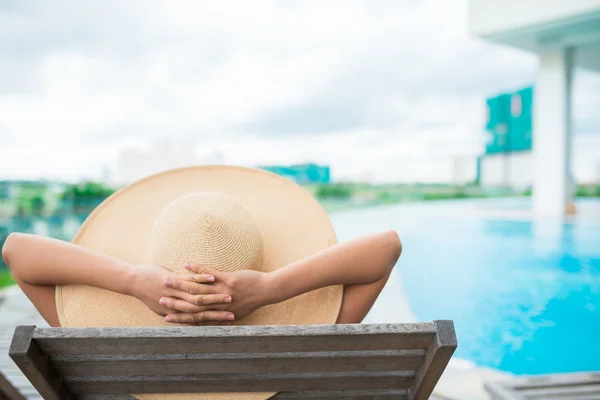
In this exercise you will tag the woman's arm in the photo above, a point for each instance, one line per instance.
(43, 261)
(39, 263)
(359, 262)
(362, 266)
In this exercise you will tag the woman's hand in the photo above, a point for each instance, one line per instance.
(148, 285)
(248, 291)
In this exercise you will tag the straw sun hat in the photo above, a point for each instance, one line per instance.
(229, 218)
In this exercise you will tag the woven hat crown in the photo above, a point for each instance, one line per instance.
(214, 229)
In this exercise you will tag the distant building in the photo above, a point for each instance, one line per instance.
(507, 160)
(564, 35)
(462, 170)
(302, 173)
(164, 154)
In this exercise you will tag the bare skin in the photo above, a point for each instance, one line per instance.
(362, 266)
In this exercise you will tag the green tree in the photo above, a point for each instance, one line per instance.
(385, 196)
(334, 191)
(37, 205)
(21, 211)
(85, 197)
(3, 236)
(87, 190)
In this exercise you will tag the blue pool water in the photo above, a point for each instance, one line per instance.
(524, 296)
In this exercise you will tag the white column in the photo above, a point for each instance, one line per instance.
(552, 187)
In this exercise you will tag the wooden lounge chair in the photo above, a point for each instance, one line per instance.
(8, 391)
(383, 361)
(576, 386)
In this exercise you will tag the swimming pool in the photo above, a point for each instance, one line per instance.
(524, 296)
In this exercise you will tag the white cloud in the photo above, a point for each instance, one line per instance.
(391, 89)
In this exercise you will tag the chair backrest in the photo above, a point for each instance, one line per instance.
(8, 391)
(574, 386)
(388, 360)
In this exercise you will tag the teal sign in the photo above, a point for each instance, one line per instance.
(509, 122)
(302, 173)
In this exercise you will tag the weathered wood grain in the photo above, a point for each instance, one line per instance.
(561, 391)
(577, 378)
(399, 394)
(8, 391)
(239, 331)
(234, 339)
(314, 361)
(579, 386)
(437, 357)
(239, 363)
(240, 382)
(33, 363)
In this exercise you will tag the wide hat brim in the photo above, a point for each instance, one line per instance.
(293, 225)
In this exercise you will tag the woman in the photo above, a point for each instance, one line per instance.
(362, 266)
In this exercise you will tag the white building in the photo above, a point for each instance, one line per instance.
(564, 34)
(516, 169)
(462, 170)
(164, 154)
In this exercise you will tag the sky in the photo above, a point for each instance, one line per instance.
(384, 90)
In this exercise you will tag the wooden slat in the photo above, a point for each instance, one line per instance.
(257, 363)
(498, 391)
(34, 365)
(8, 391)
(234, 339)
(580, 385)
(438, 355)
(399, 394)
(315, 361)
(19, 381)
(578, 378)
(575, 397)
(561, 391)
(240, 382)
(238, 331)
